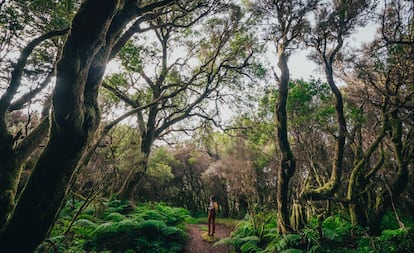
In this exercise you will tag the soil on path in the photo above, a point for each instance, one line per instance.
(197, 242)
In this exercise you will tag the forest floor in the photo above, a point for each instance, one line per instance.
(200, 242)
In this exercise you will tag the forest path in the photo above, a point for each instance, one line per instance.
(200, 242)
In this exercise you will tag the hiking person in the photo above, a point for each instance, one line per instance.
(212, 209)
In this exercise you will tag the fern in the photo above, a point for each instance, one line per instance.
(85, 223)
(250, 247)
(271, 235)
(115, 217)
(291, 251)
(397, 240)
(225, 241)
(288, 241)
(250, 239)
(117, 206)
(336, 228)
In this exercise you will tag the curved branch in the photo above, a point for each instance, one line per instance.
(19, 103)
(19, 67)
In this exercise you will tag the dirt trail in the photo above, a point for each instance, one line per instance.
(198, 244)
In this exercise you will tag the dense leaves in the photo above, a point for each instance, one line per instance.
(333, 234)
(119, 227)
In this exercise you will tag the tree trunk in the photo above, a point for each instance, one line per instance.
(74, 120)
(147, 138)
(287, 160)
(11, 169)
(330, 187)
(133, 178)
(12, 158)
(8, 180)
(402, 155)
(359, 178)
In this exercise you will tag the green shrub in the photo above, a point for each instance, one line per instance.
(334, 234)
(156, 236)
(396, 240)
(153, 215)
(84, 228)
(118, 206)
(116, 236)
(172, 216)
(136, 234)
(115, 217)
(258, 233)
(336, 228)
(86, 217)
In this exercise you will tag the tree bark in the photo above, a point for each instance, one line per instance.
(74, 120)
(359, 179)
(12, 158)
(402, 155)
(330, 187)
(287, 160)
(147, 138)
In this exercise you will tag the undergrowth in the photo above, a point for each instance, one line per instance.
(258, 233)
(117, 226)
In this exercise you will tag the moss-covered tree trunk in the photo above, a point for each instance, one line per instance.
(357, 192)
(12, 152)
(10, 168)
(147, 138)
(8, 177)
(148, 132)
(330, 187)
(403, 153)
(74, 120)
(287, 160)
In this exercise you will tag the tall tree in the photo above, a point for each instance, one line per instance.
(30, 74)
(335, 21)
(184, 87)
(90, 44)
(288, 23)
(385, 70)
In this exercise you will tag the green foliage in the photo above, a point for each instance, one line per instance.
(146, 228)
(244, 234)
(291, 251)
(308, 101)
(249, 244)
(115, 217)
(172, 216)
(84, 228)
(117, 206)
(336, 228)
(140, 236)
(159, 165)
(131, 57)
(258, 233)
(396, 240)
(115, 236)
(120, 227)
(333, 234)
(288, 242)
